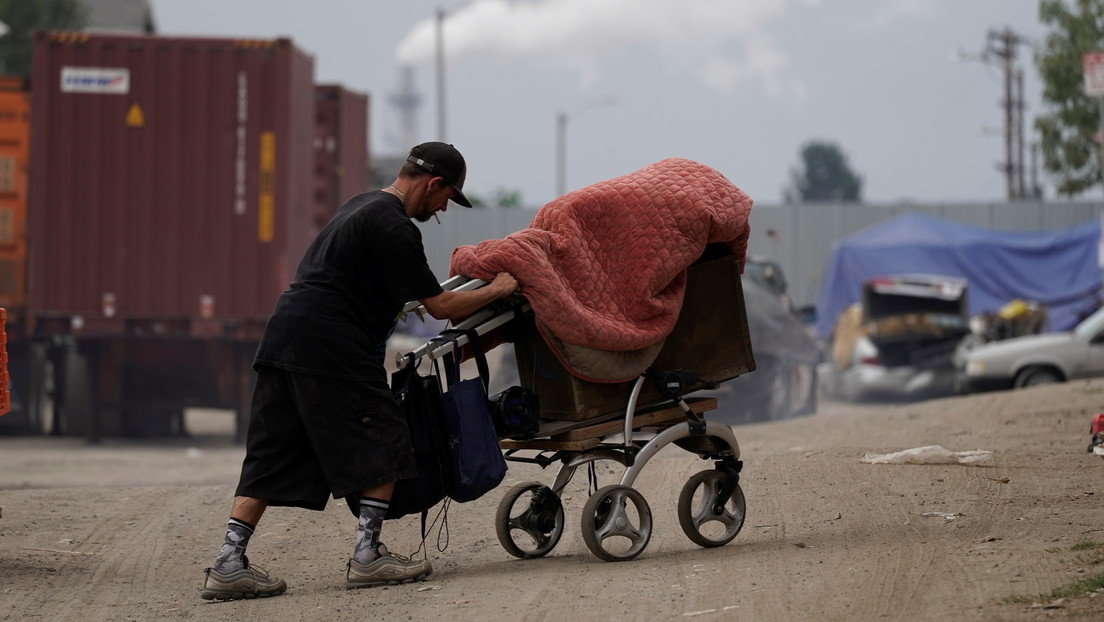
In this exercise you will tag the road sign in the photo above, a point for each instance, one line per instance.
(1092, 64)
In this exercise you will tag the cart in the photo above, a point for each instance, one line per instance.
(656, 411)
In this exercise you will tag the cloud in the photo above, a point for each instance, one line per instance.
(886, 12)
(724, 43)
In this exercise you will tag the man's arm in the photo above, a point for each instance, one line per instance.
(450, 305)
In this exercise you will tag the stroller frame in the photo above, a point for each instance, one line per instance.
(616, 522)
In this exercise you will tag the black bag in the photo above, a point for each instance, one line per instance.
(516, 413)
(477, 462)
(419, 398)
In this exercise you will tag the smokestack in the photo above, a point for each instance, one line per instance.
(407, 102)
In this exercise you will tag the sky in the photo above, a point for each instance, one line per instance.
(900, 86)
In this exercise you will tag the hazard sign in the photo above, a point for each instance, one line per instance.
(134, 117)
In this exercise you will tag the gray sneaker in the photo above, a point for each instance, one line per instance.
(249, 582)
(387, 569)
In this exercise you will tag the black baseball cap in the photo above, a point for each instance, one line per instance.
(442, 160)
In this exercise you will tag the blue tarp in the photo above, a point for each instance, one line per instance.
(1059, 269)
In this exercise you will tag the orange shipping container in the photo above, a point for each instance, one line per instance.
(14, 140)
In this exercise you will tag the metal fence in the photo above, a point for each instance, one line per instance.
(799, 237)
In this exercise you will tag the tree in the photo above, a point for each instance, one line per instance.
(25, 16)
(503, 197)
(1067, 132)
(826, 176)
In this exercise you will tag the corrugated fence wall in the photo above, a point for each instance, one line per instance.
(803, 234)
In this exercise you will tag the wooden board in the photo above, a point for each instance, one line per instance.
(543, 444)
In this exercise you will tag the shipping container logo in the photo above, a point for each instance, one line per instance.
(95, 80)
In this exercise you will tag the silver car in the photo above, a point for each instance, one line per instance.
(899, 342)
(1036, 359)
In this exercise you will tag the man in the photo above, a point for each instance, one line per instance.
(324, 421)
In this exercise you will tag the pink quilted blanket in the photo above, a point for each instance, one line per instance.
(604, 267)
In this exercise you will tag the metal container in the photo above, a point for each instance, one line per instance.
(171, 182)
(340, 148)
(15, 130)
(710, 338)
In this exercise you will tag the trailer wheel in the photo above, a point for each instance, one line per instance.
(28, 371)
(617, 523)
(702, 520)
(536, 529)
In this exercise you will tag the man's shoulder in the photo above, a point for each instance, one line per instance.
(378, 207)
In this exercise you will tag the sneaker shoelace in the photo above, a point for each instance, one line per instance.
(401, 558)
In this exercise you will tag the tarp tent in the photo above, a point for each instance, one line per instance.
(1059, 269)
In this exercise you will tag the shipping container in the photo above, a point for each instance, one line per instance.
(171, 194)
(171, 179)
(26, 359)
(340, 148)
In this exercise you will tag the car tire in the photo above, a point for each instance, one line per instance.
(1037, 376)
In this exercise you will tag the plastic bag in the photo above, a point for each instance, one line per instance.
(931, 454)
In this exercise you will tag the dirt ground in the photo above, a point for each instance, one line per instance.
(123, 530)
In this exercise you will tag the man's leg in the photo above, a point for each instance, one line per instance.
(244, 516)
(374, 503)
(232, 577)
(372, 564)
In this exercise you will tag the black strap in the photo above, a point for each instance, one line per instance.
(401, 378)
(452, 365)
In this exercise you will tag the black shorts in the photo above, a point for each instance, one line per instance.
(313, 436)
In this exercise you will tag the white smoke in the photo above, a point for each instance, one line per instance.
(724, 43)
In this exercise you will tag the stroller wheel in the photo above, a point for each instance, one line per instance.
(703, 518)
(617, 523)
(536, 526)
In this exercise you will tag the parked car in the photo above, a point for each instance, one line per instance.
(899, 342)
(1035, 359)
(768, 273)
(784, 383)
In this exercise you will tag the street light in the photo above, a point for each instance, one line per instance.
(561, 138)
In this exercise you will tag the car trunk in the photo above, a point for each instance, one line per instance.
(915, 322)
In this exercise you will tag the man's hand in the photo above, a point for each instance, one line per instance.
(449, 305)
(505, 282)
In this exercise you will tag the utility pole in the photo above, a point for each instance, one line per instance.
(1021, 150)
(441, 136)
(1002, 45)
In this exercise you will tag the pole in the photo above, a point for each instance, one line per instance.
(1035, 190)
(1100, 150)
(441, 136)
(561, 153)
(1008, 117)
(1003, 46)
(1021, 149)
(561, 139)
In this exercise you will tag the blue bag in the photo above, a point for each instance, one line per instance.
(477, 464)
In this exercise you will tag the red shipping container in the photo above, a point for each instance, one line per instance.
(171, 182)
(340, 149)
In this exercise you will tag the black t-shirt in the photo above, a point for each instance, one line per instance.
(348, 291)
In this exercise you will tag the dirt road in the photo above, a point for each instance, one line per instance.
(122, 531)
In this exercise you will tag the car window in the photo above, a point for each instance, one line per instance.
(1091, 326)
